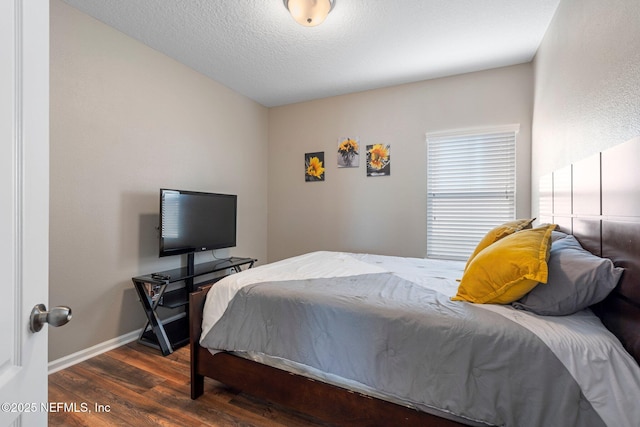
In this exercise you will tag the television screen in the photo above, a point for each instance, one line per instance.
(192, 221)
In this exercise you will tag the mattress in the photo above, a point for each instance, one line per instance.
(486, 364)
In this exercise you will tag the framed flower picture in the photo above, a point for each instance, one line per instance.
(314, 167)
(348, 152)
(378, 160)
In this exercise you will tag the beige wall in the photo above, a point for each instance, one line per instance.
(126, 121)
(385, 215)
(587, 83)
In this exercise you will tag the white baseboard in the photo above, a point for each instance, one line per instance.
(88, 353)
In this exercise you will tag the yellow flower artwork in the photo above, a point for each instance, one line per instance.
(348, 153)
(313, 165)
(378, 160)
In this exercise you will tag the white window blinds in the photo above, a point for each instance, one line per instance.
(170, 215)
(471, 185)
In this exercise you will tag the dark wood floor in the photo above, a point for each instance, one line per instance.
(135, 385)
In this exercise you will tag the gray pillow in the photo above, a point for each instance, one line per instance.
(577, 279)
(555, 235)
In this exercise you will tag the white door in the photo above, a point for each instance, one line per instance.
(24, 208)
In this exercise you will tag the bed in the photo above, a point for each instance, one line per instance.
(360, 369)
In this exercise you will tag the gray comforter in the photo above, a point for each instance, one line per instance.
(410, 343)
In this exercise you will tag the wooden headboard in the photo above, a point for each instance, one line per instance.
(598, 201)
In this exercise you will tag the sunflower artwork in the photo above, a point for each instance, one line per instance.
(313, 167)
(378, 160)
(348, 153)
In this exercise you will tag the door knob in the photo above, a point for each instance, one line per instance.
(57, 316)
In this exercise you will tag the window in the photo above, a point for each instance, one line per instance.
(471, 185)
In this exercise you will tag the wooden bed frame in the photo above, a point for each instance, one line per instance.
(597, 200)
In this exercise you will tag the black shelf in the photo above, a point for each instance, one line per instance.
(152, 293)
(174, 299)
(182, 273)
(177, 332)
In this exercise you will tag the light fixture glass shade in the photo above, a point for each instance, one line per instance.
(309, 12)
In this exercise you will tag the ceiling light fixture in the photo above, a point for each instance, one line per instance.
(309, 12)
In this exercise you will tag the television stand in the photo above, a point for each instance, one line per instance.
(164, 335)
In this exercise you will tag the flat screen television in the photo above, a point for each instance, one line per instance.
(192, 221)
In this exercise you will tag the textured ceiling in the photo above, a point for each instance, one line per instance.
(255, 48)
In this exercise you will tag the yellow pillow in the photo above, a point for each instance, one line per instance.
(498, 233)
(508, 269)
